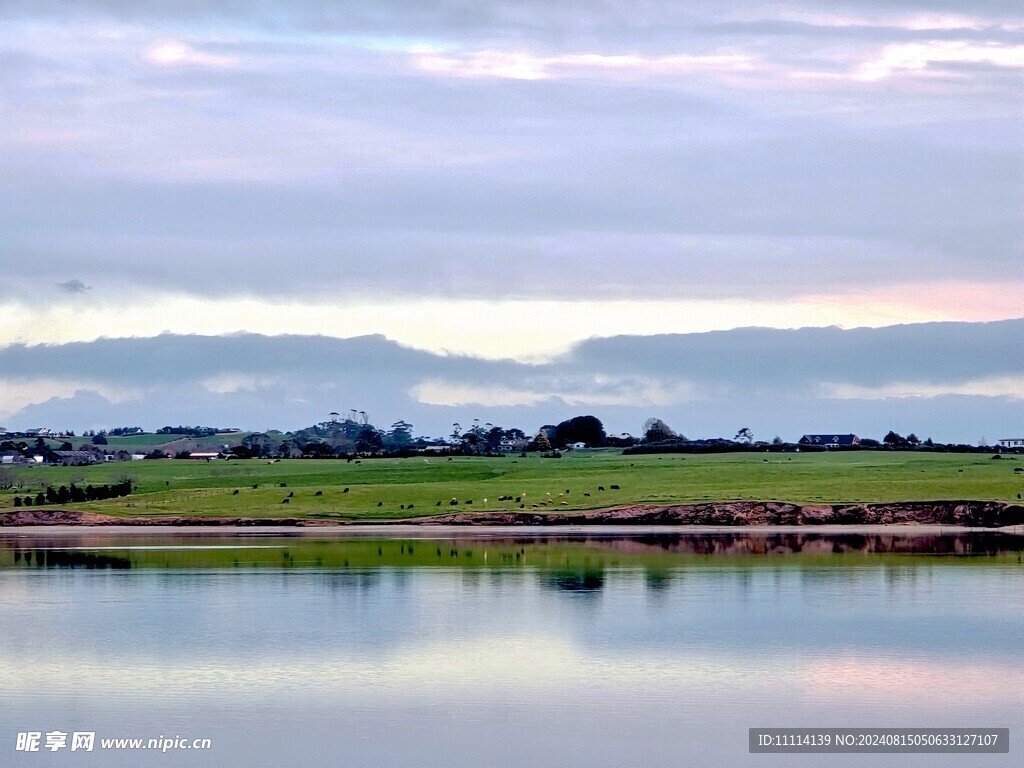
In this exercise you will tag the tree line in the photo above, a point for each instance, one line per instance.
(74, 493)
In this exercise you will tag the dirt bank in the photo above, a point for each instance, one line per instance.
(987, 514)
(744, 513)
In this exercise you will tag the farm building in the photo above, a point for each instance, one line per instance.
(73, 458)
(1012, 442)
(830, 440)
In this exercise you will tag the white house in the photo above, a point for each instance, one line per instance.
(1012, 442)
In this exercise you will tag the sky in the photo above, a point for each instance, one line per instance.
(506, 183)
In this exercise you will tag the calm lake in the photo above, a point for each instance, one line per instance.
(503, 648)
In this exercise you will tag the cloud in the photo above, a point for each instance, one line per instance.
(921, 56)
(509, 324)
(175, 53)
(74, 286)
(526, 66)
(588, 391)
(1011, 387)
(947, 380)
(222, 166)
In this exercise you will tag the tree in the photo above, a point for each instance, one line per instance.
(777, 440)
(400, 434)
(540, 443)
(894, 439)
(745, 436)
(656, 430)
(913, 439)
(99, 439)
(494, 437)
(369, 439)
(580, 429)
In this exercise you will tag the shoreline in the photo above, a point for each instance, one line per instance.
(730, 515)
(447, 531)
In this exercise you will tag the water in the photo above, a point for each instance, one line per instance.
(504, 649)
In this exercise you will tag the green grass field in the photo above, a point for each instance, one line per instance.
(173, 487)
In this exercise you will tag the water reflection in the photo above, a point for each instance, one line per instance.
(574, 562)
(504, 650)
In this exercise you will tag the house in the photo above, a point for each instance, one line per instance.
(1012, 442)
(829, 440)
(510, 445)
(576, 446)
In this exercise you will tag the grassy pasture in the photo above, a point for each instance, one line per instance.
(378, 488)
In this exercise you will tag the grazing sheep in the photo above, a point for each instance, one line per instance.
(345, 491)
(567, 490)
(564, 503)
(283, 485)
(285, 501)
(380, 503)
(234, 492)
(468, 501)
(401, 506)
(518, 499)
(615, 488)
(453, 502)
(254, 487)
(410, 506)
(600, 487)
(319, 493)
(438, 504)
(290, 494)
(586, 493)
